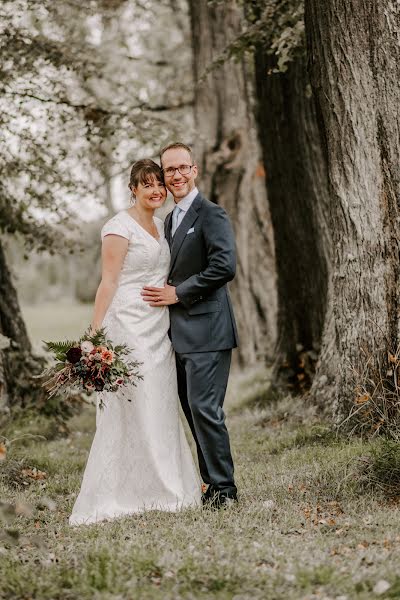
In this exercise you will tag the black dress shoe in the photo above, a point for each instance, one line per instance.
(222, 500)
(217, 500)
(207, 495)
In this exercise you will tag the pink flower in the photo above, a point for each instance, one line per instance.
(107, 356)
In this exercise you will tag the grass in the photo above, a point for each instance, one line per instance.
(307, 526)
(53, 321)
(304, 527)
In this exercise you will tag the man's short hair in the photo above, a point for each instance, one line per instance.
(176, 145)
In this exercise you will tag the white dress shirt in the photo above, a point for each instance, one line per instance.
(184, 206)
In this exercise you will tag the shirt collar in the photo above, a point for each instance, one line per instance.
(186, 202)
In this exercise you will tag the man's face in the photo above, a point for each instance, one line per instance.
(179, 185)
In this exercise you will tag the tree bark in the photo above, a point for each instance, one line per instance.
(299, 203)
(354, 60)
(231, 171)
(16, 362)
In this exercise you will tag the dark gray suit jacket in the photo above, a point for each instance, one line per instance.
(202, 262)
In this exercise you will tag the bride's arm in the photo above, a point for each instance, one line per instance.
(113, 253)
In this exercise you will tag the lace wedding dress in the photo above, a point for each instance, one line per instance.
(140, 458)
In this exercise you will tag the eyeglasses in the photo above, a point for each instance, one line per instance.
(183, 170)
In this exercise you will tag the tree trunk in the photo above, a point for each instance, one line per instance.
(354, 59)
(299, 202)
(16, 362)
(231, 172)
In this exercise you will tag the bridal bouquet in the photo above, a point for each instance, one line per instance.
(92, 364)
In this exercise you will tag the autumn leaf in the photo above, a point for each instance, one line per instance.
(3, 451)
(34, 474)
(260, 172)
(362, 399)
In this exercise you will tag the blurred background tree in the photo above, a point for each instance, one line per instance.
(86, 88)
(231, 170)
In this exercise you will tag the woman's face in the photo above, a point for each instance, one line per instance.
(151, 194)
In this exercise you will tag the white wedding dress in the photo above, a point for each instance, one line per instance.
(140, 458)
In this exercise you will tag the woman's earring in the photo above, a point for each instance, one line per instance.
(133, 199)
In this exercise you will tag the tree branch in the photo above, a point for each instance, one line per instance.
(98, 109)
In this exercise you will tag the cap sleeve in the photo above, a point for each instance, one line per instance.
(115, 226)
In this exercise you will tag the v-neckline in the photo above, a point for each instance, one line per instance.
(158, 240)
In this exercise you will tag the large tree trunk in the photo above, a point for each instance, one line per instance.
(354, 59)
(231, 172)
(16, 362)
(299, 202)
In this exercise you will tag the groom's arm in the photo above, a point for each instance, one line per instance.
(221, 259)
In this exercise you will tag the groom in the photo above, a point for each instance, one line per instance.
(203, 330)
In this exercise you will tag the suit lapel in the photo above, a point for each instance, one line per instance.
(183, 228)
(168, 227)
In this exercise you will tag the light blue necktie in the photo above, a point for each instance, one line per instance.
(175, 217)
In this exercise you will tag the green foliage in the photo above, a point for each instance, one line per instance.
(275, 26)
(60, 348)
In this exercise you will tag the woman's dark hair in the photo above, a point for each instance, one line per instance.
(143, 171)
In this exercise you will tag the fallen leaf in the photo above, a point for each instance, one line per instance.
(260, 171)
(3, 451)
(362, 399)
(34, 474)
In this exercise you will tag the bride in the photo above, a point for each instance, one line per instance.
(140, 458)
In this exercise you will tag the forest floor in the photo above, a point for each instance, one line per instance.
(305, 527)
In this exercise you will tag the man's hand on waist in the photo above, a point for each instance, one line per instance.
(156, 296)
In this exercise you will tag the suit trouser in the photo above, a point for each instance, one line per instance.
(202, 381)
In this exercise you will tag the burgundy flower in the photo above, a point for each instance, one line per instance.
(99, 385)
(74, 355)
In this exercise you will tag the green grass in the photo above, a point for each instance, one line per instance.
(56, 321)
(305, 528)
